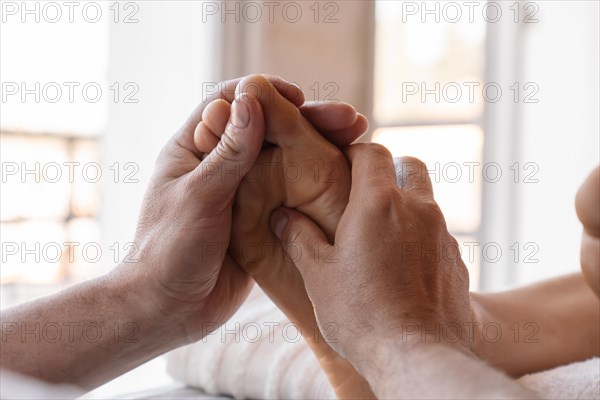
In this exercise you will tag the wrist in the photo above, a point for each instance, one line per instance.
(371, 358)
(393, 357)
(156, 322)
(373, 350)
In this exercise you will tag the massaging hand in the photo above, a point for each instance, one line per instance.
(393, 283)
(300, 170)
(392, 270)
(182, 281)
(391, 280)
(185, 222)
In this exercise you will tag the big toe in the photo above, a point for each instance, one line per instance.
(284, 124)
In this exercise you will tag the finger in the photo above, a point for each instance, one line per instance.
(412, 174)
(289, 90)
(346, 136)
(299, 236)
(284, 125)
(372, 168)
(339, 123)
(220, 173)
(226, 91)
(329, 116)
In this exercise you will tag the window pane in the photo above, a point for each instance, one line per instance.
(89, 258)
(35, 183)
(453, 155)
(431, 70)
(86, 191)
(54, 73)
(33, 252)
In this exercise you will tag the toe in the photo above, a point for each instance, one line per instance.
(204, 140)
(284, 124)
(216, 115)
(211, 128)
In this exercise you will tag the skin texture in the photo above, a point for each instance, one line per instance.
(411, 285)
(184, 281)
(541, 304)
(300, 170)
(543, 325)
(180, 283)
(390, 295)
(185, 286)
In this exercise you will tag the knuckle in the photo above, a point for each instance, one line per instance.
(431, 213)
(379, 160)
(387, 191)
(291, 233)
(411, 172)
(383, 198)
(413, 162)
(229, 148)
(375, 150)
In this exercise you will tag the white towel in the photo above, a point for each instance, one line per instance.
(580, 380)
(258, 354)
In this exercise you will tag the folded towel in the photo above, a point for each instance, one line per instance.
(258, 354)
(580, 380)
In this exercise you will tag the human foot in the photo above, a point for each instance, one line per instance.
(299, 169)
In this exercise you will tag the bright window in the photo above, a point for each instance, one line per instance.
(54, 112)
(428, 104)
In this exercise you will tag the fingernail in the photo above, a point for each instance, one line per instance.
(278, 222)
(240, 115)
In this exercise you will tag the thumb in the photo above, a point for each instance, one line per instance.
(226, 165)
(302, 240)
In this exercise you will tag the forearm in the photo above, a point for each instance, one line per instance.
(537, 327)
(403, 370)
(85, 335)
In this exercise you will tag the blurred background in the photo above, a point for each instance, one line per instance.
(500, 99)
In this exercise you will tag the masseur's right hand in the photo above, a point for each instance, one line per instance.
(394, 271)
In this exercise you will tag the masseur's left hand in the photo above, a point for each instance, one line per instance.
(183, 284)
(185, 223)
